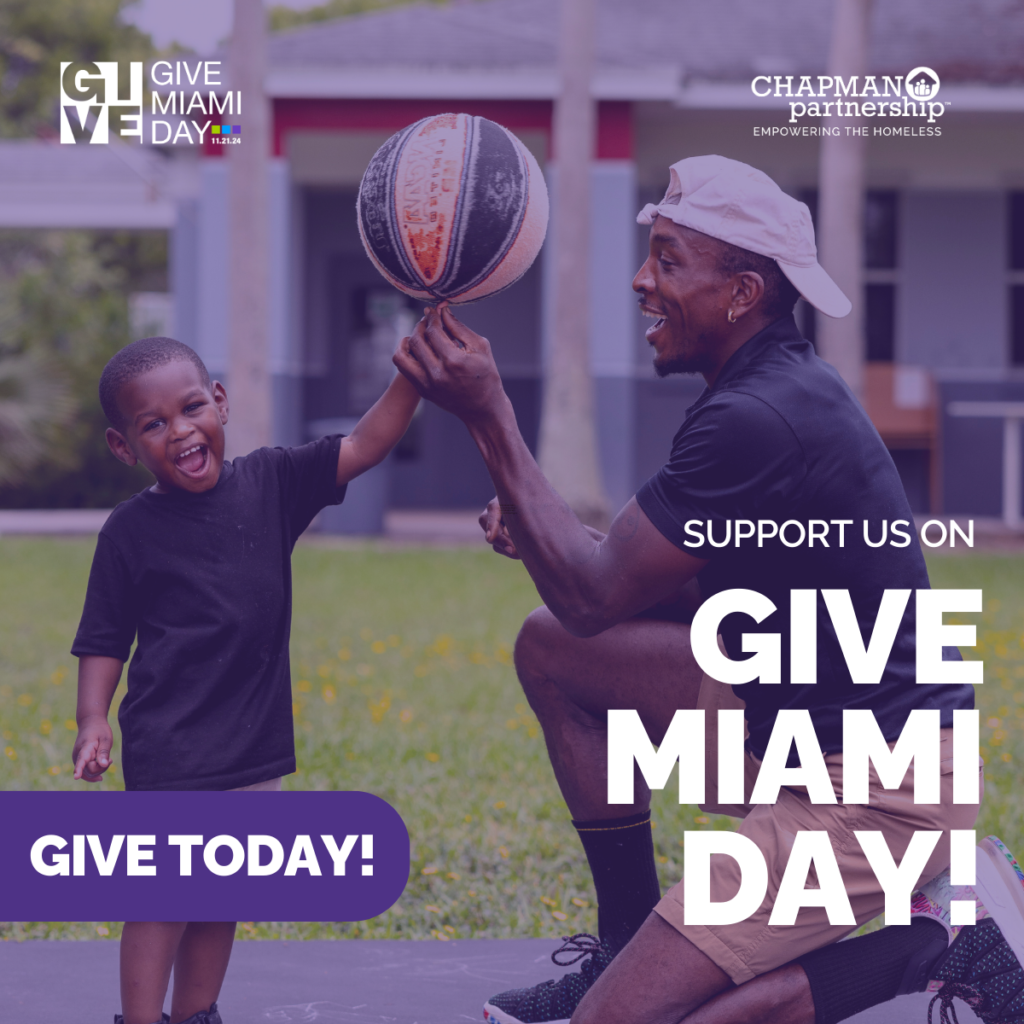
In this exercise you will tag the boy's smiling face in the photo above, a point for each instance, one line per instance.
(174, 426)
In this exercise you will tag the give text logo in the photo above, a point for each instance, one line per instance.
(98, 99)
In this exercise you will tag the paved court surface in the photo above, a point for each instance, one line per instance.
(345, 982)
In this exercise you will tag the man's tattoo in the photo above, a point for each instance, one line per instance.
(507, 510)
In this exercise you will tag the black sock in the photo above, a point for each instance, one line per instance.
(848, 977)
(620, 852)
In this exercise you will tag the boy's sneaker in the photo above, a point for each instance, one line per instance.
(210, 1016)
(553, 1002)
(983, 963)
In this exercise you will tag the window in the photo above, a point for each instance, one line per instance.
(881, 259)
(1016, 277)
(1017, 230)
(880, 209)
(806, 315)
(880, 322)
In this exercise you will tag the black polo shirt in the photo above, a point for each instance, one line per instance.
(781, 437)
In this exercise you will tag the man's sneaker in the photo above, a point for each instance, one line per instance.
(983, 964)
(981, 969)
(933, 901)
(553, 1002)
(1000, 886)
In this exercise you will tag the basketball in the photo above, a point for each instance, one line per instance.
(453, 207)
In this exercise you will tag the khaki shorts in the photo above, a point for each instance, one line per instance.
(270, 786)
(752, 947)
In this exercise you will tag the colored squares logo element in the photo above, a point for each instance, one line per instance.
(215, 129)
(237, 130)
(225, 129)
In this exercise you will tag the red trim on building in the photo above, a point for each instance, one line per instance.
(614, 121)
(391, 115)
(615, 130)
(209, 149)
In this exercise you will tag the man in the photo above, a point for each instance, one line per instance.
(776, 436)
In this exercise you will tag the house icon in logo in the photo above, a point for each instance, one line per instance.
(922, 84)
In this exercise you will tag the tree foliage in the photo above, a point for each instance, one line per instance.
(36, 35)
(63, 314)
(34, 403)
(282, 18)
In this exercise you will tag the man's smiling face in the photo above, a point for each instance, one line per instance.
(174, 426)
(683, 290)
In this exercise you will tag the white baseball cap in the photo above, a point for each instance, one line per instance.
(739, 204)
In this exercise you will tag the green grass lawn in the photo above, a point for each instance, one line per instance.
(403, 686)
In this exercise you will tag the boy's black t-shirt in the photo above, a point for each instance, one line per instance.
(781, 437)
(205, 582)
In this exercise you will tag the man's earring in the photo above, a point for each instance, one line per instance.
(731, 317)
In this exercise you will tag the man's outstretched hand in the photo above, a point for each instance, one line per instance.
(495, 530)
(451, 366)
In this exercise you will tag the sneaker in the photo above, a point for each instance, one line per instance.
(1000, 886)
(553, 1002)
(983, 963)
(210, 1016)
(934, 900)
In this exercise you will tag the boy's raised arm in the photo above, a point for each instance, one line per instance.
(97, 680)
(380, 429)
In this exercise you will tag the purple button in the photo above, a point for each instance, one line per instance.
(250, 856)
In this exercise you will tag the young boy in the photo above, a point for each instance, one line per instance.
(198, 567)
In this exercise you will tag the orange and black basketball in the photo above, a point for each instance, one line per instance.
(452, 207)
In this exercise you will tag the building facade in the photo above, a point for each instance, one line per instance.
(943, 294)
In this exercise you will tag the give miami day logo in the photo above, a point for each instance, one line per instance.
(104, 99)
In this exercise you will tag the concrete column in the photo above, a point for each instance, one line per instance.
(285, 341)
(249, 271)
(568, 442)
(841, 200)
(613, 264)
(184, 276)
(611, 315)
(213, 315)
(204, 248)
(1011, 472)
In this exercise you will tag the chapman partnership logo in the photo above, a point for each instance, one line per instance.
(871, 100)
(104, 101)
(923, 83)
(319, 856)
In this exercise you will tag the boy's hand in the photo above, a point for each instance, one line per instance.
(92, 749)
(451, 366)
(493, 525)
